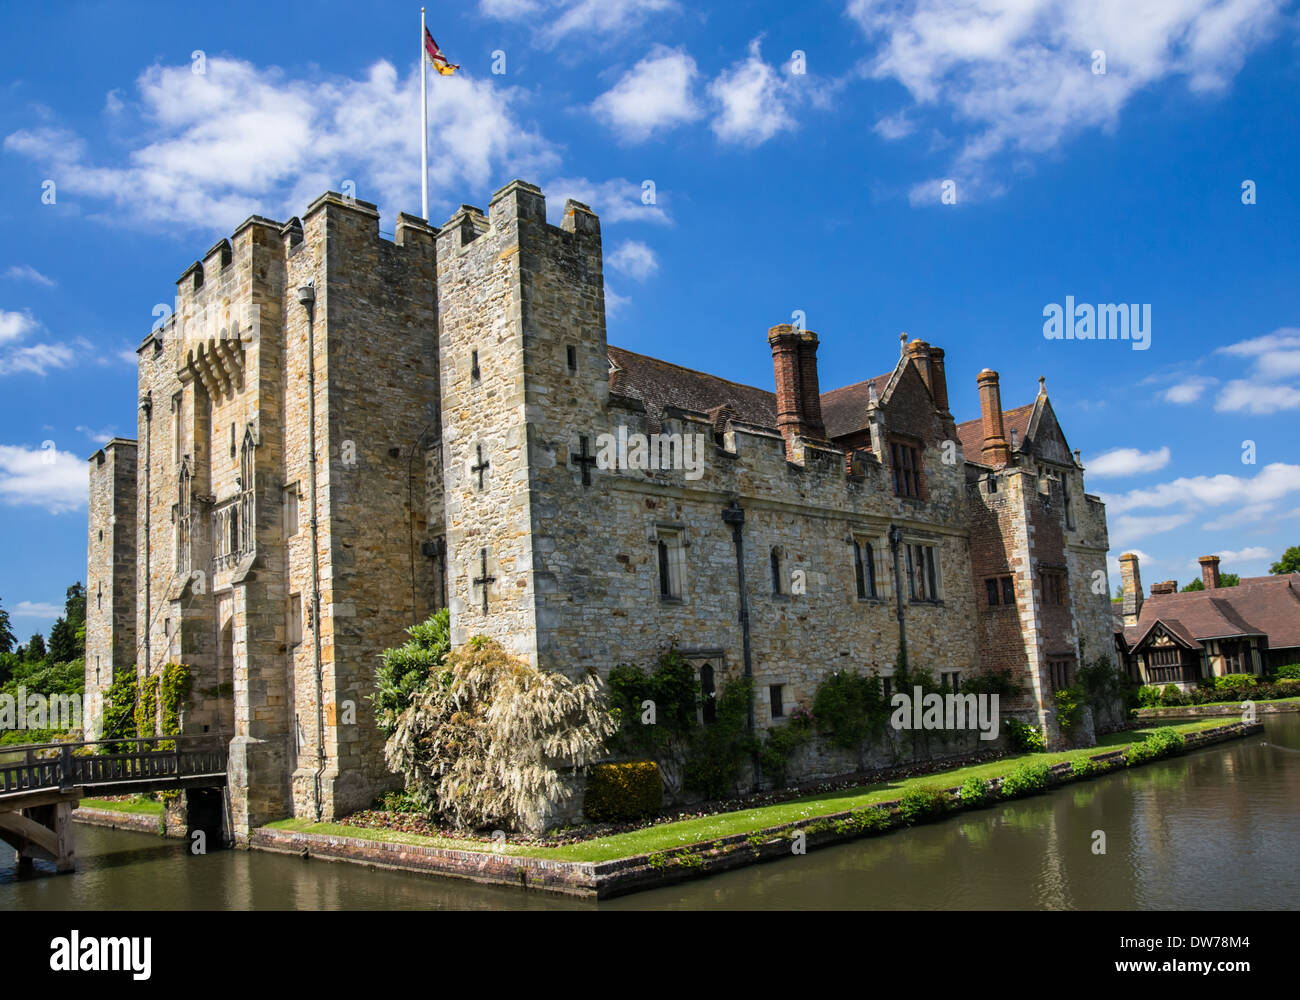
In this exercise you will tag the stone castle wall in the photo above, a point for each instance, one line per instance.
(461, 387)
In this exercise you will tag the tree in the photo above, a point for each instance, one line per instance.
(1289, 563)
(1225, 580)
(405, 669)
(35, 648)
(486, 737)
(7, 637)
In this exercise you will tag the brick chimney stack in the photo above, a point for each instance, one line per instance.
(939, 382)
(1210, 572)
(995, 452)
(1131, 580)
(1164, 587)
(798, 395)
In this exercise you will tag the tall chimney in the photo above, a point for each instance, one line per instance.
(798, 396)
(919, 351)
(1209, 572)
(995, 452)
(939, 382)
(1131, 580)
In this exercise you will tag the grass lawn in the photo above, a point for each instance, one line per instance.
(669, 836)
(135, 805)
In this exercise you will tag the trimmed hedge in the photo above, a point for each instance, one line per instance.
(617, 793)
(1289, 672)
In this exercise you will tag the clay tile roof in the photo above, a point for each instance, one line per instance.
(844, 410)
(971, 433)
(659, 384)
(1258, 606)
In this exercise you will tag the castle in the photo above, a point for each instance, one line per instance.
(339, 434)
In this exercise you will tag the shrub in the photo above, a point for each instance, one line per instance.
(779, 744)
(1289, 672)
(922, 803)
(850, 708)
(1148, 696)
(1025, 738)
(1166, 741)
(1139, 753)
(617, 793)
(718, 751)
(1069, 707)
(975, 791)
(1234, 681)
(484, 739)
(1029, 777)
(403, 670)
(997, 682)
(1161, 743)
(872, 819)
(1084, 768)
(1171, 695)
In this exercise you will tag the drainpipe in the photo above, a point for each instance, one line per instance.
(896, 543)
(307, 296)
(735, 516)
(146, 407)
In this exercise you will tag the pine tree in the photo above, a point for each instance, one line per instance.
(7, 637)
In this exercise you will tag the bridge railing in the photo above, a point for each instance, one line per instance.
(156, 758)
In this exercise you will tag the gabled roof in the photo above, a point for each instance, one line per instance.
(971, 433)
(1268, 605)
(844, 410)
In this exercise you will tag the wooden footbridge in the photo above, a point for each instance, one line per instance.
(39, 790)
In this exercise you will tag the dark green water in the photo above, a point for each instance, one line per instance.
(1218, 829)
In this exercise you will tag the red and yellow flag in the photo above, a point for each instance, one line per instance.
(440, 63)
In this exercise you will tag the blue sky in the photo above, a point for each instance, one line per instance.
(798, 160)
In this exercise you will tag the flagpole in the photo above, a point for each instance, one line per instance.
(424, 124)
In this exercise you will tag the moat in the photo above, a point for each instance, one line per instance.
(1214, 829)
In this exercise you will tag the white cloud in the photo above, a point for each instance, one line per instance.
(25, 272)
(100, 436)
(1127, 462)
(36, 609)
(1249, 514)
(560, 19)
(207, 150)
(1250, 396)
(55, 480)
(1016, 77)
(35, 358)
(634, 259)
(1188, 390)
(655, 95)
(1269, 484)
(1130, 526)
(614, 303)
(14, 325)
(894, 126)
(754, 101)
(616, 200)
(1229, 559)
